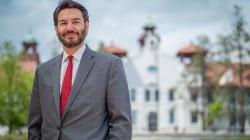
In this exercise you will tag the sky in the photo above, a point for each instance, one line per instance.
(120, 21)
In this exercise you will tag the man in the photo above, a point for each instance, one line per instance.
(80, 94)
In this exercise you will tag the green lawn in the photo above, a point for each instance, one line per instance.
(14, 137)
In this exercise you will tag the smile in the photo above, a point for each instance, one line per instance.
(70, 34)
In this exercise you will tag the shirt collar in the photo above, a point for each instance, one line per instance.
(77, 55)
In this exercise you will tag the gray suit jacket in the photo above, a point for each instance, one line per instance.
(98, 107)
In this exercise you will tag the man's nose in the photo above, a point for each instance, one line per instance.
(70, 27)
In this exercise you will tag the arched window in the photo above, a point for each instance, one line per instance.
(156, 95)
(147, 95)
(133, 94)
(194, 116)
(134, 116)
(172, 116)
(171, 94)
(152, 121)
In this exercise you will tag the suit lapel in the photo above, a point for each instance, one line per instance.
(55, 73)
(87, 61)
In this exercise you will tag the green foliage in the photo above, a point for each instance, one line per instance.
(238, 40)
(15, 87)
(214, 111)
(198, 62)
(225, 49)
(199, 59)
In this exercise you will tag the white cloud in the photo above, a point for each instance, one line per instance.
(175, 39)
(121, 21)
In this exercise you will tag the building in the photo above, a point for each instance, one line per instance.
(207, 84)
(29, 55)
(161, 105)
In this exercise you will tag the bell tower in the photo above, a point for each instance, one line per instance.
(29, 52)
(149, 38)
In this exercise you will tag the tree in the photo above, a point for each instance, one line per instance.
(15, 87)
(198, 67)
(237, 43)
(214, 111)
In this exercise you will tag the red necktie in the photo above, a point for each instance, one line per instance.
(66, 86)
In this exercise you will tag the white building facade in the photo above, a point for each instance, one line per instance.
(160, 104)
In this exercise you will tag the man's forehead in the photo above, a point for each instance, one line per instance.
(70, 13)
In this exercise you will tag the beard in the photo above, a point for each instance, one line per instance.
(72, 43)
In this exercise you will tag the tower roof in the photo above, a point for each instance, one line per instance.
(29, 39)
(149, 25)
(190, 50)
(30, 43)
(114, 49)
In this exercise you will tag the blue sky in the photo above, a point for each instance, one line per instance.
(120, 21)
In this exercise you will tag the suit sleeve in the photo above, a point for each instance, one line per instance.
(35, 117)
(119, 110)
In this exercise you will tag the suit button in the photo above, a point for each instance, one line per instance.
(58, 127)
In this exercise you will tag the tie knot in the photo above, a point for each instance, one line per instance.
(70, 57)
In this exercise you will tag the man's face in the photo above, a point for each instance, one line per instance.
(71, 28)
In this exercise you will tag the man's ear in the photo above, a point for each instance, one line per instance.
(55, 29)
(87, 27)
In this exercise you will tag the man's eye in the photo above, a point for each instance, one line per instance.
(63, 23)
(75, 22)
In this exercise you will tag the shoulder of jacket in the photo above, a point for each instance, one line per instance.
(49, 63)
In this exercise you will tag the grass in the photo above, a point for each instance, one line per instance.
(14, 137)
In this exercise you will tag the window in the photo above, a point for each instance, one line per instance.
(194, 94)
(194, 97)
(157, 95)
(152, 121)
(171, 116)
(133, 94)
(171, 95)
(248, 98)
(152, 68)
(134, 115)
(147, 95)
(248, 119)
(231, 98)
(194, 116)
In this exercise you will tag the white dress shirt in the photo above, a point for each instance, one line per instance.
(76, 61)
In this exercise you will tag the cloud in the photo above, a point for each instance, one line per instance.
(173, 40)
(121, 21)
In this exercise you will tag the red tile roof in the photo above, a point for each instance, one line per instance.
(189, 50)
(114, 49)
(214, 72)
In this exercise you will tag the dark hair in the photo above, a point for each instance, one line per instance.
(63, 4)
